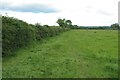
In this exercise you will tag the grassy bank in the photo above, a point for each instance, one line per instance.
(76, 53)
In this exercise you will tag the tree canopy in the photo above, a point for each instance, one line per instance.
(64, 23)
(115, 26)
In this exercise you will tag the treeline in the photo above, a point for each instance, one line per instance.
(68, 24)
(93, 27)
(17, 33)
(112, 27)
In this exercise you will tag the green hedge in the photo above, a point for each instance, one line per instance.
(17, 33)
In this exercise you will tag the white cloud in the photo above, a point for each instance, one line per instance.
(80, 12)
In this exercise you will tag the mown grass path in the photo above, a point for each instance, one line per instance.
(76, 53)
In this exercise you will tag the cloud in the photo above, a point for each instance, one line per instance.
(35, 8)
(89, 7)
(80, 12)
(104, 12)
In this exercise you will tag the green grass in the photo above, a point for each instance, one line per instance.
(72, 54)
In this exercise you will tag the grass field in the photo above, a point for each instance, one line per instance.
(76, 53)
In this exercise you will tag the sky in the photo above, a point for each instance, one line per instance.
(80, 12)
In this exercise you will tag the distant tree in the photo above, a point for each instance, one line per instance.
(68, 23)
(65, 23)
(46, 25)
(115, 26)
(38, 25)
(61, 22)
(75, 27)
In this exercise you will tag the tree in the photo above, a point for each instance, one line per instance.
(46, 25)
(68, 23)
(38, 25)
(61, 22)
(64, 23)
(115, 26)
(75, 27)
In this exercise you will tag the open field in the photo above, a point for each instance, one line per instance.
(76, 53)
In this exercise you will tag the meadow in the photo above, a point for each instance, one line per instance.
(72, 54)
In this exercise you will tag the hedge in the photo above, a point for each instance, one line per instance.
(17, 33)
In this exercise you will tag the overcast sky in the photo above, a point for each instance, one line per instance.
(80, 12)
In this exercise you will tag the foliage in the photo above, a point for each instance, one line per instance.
(92, 27)
(17, 33)
(68, 24)
(65, 23)
(115, 26)
(61, 22)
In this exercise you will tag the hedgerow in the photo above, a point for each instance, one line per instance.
(17, 33)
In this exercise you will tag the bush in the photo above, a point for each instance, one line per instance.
(17, 33)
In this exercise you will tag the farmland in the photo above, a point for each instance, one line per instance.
(72, 54)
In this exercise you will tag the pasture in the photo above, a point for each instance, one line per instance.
(72, 54)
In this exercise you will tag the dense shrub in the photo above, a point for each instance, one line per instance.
(17, 33)
(47, 31)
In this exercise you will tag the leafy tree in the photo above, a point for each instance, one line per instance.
(68, 23)
(65, 23)
(46, 25)
(115, 26)
(75, 27)
(61, 22)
